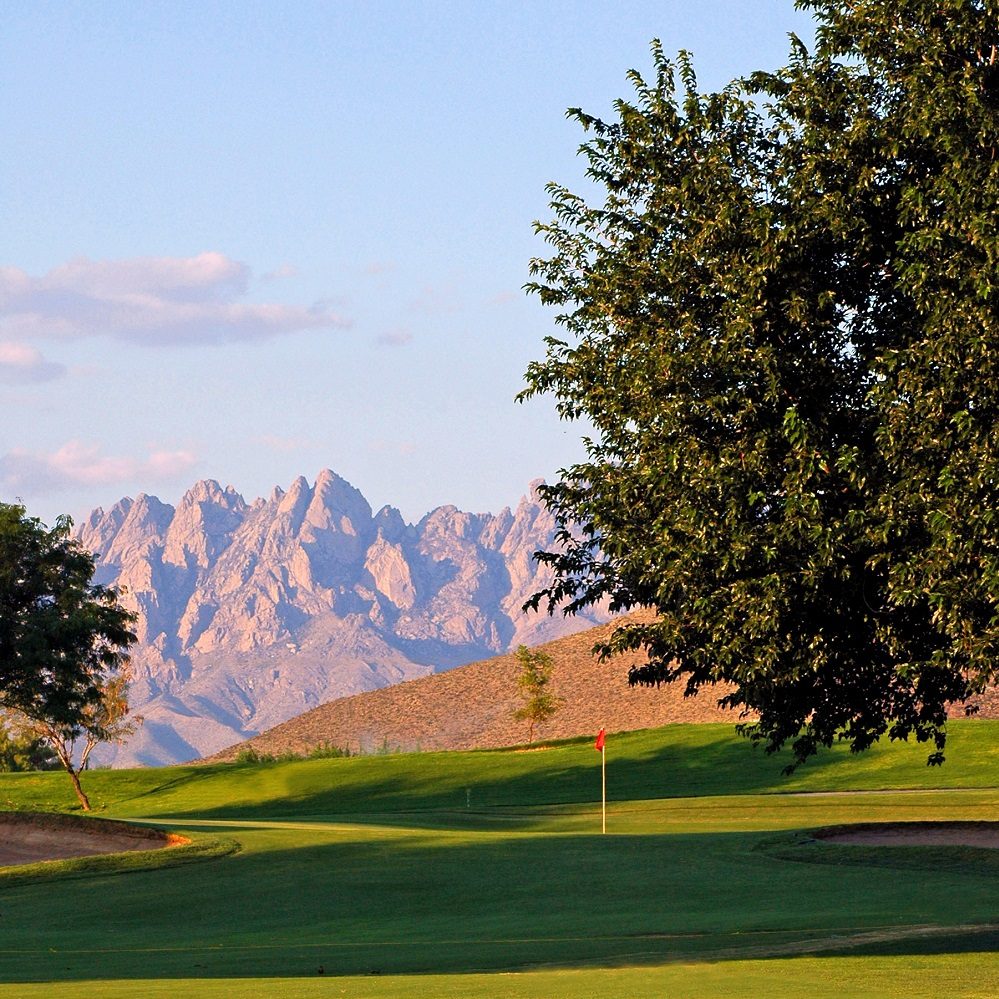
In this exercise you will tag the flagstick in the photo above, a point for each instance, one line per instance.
(601, 739)
(603, 789)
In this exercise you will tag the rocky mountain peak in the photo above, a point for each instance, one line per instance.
(208, 494)
(293, 504)
(389, 524)
(203, 525)
(100, 528)
(144, 524)
(252, 613)
(337, 506)
(450, 522)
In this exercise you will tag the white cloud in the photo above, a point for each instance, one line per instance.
(76, 464)
(20, 363)
(149, 300)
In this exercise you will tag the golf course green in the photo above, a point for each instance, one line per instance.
(485, 873)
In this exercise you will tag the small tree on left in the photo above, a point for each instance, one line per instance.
(63, 640)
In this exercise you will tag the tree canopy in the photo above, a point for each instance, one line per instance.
(62, 636)
(63, 643)
(781, 323)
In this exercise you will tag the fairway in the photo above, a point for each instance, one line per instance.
(485, 873)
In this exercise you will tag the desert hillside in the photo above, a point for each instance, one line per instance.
(473, 706)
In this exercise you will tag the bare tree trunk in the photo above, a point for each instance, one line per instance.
(64, 750)
(75, 778)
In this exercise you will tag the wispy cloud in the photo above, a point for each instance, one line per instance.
(149, 300)
(75, 464)
(20, 363)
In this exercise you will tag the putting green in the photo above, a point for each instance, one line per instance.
(372, 873)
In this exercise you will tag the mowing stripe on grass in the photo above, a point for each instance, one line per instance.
(843, 939)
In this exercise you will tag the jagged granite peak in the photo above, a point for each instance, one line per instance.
(389, 524)
(144, 524)
(249, 613)
(338, 522)
(203, 524)
(209, 491)
(448, 522)
(99, 529)
(293, 504)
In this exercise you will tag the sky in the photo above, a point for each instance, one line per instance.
(247, 241)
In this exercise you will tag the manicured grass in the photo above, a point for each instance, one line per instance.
(964, 976)
(376, 870)
(678, 761)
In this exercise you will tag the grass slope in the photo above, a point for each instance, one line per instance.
(454, 874)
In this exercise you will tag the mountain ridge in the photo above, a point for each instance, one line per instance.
(249, 613)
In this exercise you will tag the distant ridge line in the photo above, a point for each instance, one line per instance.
(471, 707)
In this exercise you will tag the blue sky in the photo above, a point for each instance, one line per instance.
(247, 241)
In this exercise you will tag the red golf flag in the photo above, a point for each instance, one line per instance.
(601, 738)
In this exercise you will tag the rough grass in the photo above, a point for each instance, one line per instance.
(377, 872)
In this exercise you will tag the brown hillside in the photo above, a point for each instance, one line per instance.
(472, 707)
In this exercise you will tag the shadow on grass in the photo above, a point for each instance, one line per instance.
(465, 784)
(415, 903)
(676, 761)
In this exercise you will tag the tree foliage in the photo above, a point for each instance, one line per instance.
(106, 720)
(781, 322)
(63, 638)
(20, 751)
(533, 680)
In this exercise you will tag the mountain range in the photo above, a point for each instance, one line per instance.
(251, 613)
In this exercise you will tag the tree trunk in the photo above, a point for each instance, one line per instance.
(75, 778)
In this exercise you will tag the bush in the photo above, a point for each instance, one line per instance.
(322, 751)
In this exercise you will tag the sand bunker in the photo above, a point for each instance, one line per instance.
(26, 838)
(983, 834)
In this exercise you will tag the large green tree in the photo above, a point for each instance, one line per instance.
(781, 322)
(63, 638)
